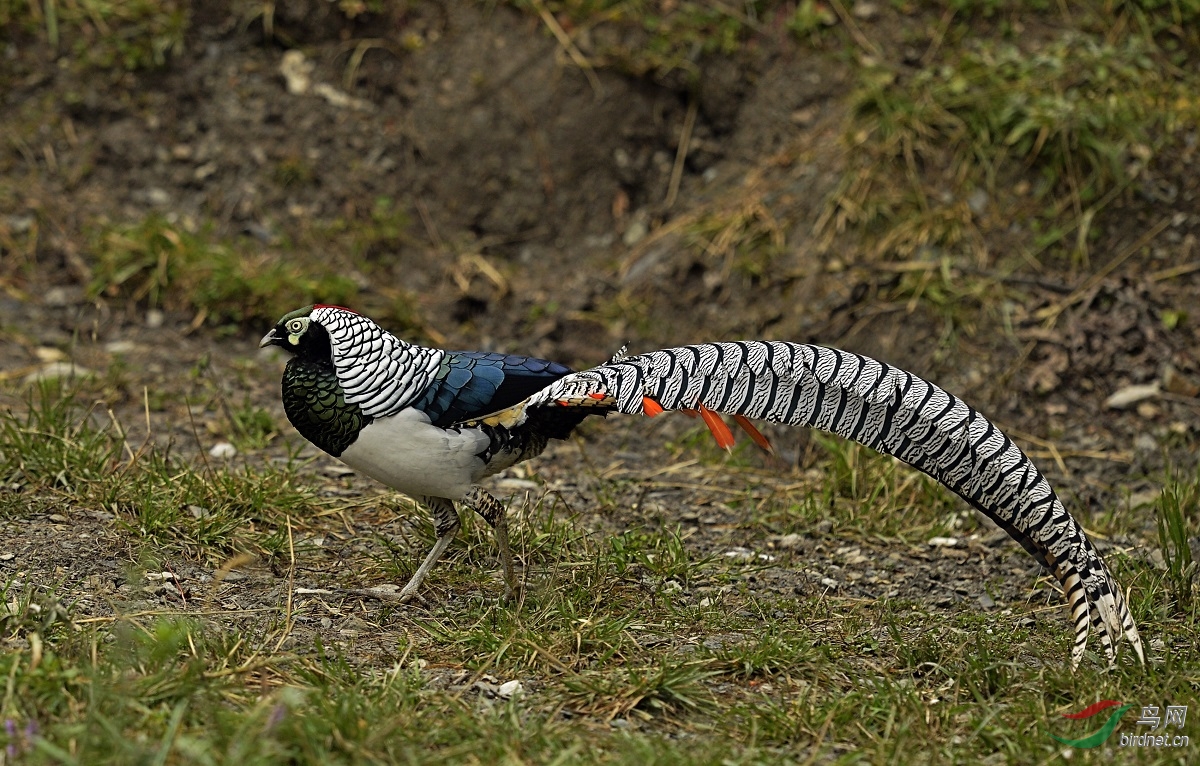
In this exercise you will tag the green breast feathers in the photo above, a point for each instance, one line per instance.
(313, 401)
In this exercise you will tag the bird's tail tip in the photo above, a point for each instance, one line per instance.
(1109, 616)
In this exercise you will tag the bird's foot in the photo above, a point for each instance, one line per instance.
(495, 514)
(511, 595)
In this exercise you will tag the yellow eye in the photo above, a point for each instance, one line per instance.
(296, 326)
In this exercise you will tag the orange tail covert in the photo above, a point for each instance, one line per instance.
(720, 431)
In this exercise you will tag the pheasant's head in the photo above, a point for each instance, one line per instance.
(300, 334)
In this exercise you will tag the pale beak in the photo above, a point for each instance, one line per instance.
(268, 339)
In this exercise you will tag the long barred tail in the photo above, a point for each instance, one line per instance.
(886, 409)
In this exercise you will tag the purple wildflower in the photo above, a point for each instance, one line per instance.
(276, 717)
(10, 728)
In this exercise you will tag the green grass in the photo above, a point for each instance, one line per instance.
(661, 39)
(616, 667)
(1071, 122)
(97, 35)
(233, 283)
(744, 241)
(161, 264)
(53, 446)
(869, 495)
(140, 689)
(55, 443)
(1177, 506)
(1075, 108)
(252, 426)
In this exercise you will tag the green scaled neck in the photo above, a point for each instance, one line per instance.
(313, 401)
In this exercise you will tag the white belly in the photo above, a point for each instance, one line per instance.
(409, 454)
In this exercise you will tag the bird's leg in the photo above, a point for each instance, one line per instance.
(495, 514)
(445, 523)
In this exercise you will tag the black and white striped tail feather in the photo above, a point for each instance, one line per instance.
(891, 411)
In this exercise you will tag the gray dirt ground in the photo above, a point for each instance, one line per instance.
(493, 147)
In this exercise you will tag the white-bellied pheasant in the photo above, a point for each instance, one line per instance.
(433, 423)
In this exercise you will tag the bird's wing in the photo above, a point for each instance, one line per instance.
(877, 405)
(470, 385)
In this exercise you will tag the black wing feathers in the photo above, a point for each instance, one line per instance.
(472, 384)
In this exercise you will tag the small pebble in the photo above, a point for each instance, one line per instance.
(223, 451)
(636, 231)
(157, 197)
(977, 201)
(1131, 395)
(198, 512)
(865, 11)
(1144, 498)
(57, 297)
(1158, 560)
(788, 541)
(1144, 442)
(1176, 383)
(510, 689)
(804, 117)
(205, 170)
(297, 72)
(55, 371)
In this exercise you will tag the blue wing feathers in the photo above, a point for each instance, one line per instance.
(471, 384)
